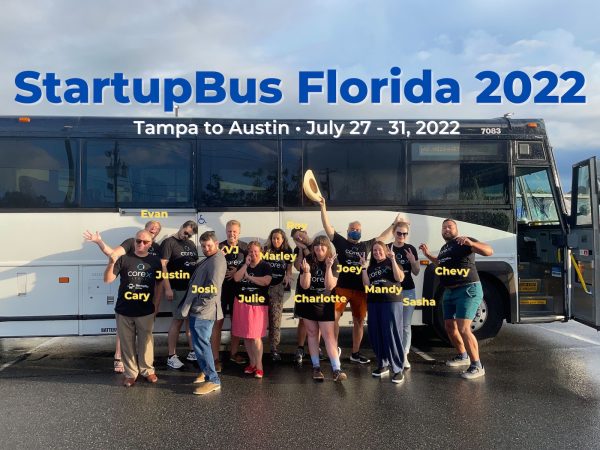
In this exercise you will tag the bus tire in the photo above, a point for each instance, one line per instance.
(489, 318)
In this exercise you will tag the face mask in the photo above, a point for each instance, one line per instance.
(354, 235)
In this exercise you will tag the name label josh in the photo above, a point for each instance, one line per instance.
(212, 289)
(179, 275)
(444, 271)
(144, 297)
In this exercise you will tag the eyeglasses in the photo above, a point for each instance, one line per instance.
(141, 241)
(400, 233)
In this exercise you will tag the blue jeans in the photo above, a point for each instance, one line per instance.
(201, 331)
(407, 313)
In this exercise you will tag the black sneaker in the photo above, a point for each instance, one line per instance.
(358, 358)
(398, 378)
(317, 374)
(275, 356)
(338, 375)
(299, 355)
(380, 371)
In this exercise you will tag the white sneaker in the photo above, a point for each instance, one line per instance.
(473, 372)
(459, 361)
(191, 356)
(406, 362)
(173, 362)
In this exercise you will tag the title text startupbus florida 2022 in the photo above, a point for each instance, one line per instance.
(212, 87)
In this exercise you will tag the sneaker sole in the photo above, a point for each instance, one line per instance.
(341, 378)
(467, 376)
(398, 381)
(379, 375)
(359, 361)
(174, 368)
(467, 363)
(218, 388)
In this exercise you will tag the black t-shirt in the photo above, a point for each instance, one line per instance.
(182, 255)
(129, 247)
(317, 277)
(235, 256)
(136, 290)
(349, 256)
(400, 252)
(248, 288)
(381, 274)
(454, 256)
(279, 260)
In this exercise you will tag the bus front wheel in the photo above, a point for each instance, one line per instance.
(488, 318)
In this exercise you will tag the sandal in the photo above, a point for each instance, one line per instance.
(118, 366)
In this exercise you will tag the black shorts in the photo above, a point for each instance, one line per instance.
(320, 312)
(228, 293)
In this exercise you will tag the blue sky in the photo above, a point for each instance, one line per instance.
(278, 39)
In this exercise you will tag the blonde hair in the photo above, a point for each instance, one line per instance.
(233, 222)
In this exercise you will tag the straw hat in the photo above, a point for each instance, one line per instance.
(310, 187)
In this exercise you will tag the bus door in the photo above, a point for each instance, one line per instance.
(541, 243)
(584, 243)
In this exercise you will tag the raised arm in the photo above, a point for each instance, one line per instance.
(97, 239)
(429, 256)
(481, 248)
(329, 230)
(109, 275)
(386, 234)
(330, 280)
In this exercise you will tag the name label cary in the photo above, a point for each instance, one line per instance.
(143, 296)
(444, 271)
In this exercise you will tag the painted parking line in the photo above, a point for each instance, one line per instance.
(571, 335)
(422, 354)
(25, 355)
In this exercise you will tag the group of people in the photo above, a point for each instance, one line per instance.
(247, 280)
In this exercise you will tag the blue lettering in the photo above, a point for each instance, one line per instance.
(304, 86)
(120, 83)
(203, 86)
(424, 84)
(78, 93)
(138, 91)
(22, 84)
(98, 88)
(235, 94)
(51, 83)
(270, 91)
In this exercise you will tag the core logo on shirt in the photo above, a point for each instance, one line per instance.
(139, 273)
(140, 267)
(187, 251)
(319, 273)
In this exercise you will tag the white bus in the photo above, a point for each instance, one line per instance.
(497, 178)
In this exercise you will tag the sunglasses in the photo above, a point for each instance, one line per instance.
(187, 234)
(141, 241)
(400, 233)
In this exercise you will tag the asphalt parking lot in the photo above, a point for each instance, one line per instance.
(541, 390)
